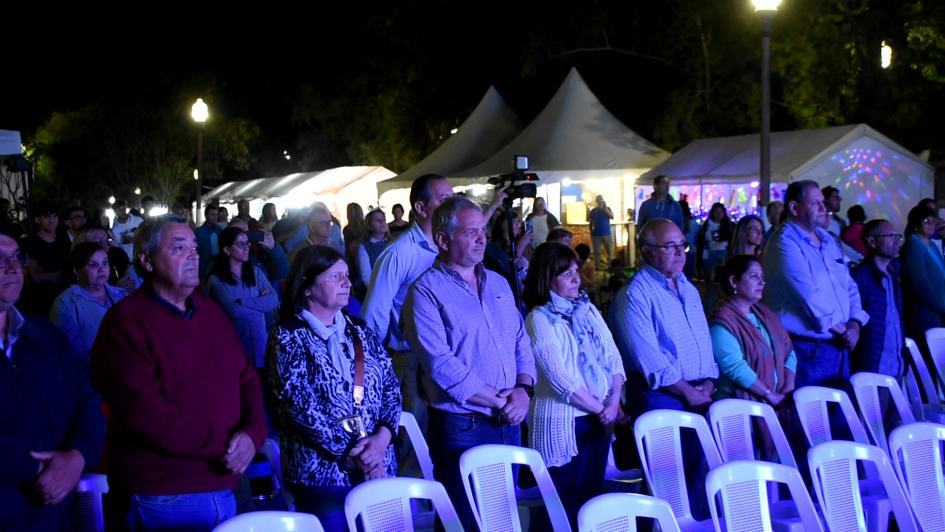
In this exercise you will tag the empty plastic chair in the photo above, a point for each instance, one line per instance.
(935, 337)
(659, 442)
(866, 387)
(271, 522)
(918, 376)
(490, 487)
(731, 422)
(811, 403)
(384, 504)
(833, 467)
(89, 502)
(618, 512)
(743, 485)
(419, 443)
(916, 454)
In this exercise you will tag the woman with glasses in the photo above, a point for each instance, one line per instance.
(335, 393)
(922, 275)
(577, 397)
(244, 293)
(79, 309)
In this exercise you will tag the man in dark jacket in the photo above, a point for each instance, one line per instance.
(51, 418)
(881, 340)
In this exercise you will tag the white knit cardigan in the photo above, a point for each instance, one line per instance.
(551, 417)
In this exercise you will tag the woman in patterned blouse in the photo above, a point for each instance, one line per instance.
(311, 361)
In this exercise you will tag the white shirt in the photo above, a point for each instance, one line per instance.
(120, 229)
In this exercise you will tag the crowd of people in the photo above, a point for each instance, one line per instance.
(202, 342)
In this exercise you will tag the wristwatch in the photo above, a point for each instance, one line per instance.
(529, 389)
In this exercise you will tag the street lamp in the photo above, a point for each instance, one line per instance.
(199, 112)
(767, 9)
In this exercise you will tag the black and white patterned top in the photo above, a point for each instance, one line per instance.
(310, 396)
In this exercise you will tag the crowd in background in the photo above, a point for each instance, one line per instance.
(202, 341)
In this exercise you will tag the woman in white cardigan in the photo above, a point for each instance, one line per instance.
(577, 397)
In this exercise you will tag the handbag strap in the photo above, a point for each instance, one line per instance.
(358, 365)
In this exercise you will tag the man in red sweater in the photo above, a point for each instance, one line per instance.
(186, 407)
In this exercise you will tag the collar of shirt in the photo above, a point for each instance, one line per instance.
(15, 322)
(656, 275)
(189, 303)
(794, 230)
(454, 275)
(416, 235)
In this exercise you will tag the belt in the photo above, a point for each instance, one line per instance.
(495, 420)
(817, 341)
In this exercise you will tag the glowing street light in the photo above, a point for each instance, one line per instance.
(885, 55)
(137, 191)
(200, 113)
(111, 200)
(767, 9)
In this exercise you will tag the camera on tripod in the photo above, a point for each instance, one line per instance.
(526, 188)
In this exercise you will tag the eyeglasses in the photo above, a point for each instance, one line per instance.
(674, 247)
(896, 237)
(10, 260)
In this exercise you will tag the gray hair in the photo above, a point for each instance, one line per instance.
(444, 217)
(148, 237)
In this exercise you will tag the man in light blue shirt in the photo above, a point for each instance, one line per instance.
(397, 267)
(662, 333)
(810, 288)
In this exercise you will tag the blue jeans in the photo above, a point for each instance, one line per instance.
(695, 466)
(580, 479)
(189, 512)
(453, 434)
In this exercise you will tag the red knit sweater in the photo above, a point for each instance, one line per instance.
(178, 389)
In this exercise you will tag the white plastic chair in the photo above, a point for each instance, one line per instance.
(618, 512)
(657, 435)
(916, 452)
(271, 522)
(89, 502)
(731, 422)
(613, 474)
(833, 467)
(866, 388)
(384, 504)
(744, 488)
(935, 337)
(918, 376)
(490, 487)
(419, 443)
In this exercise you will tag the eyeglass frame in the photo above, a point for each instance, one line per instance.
(676, 247)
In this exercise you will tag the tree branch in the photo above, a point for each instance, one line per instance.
(619, 51)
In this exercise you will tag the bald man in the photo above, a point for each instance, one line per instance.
(664, 339)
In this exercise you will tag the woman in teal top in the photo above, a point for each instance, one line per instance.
(754, 352)
(923, 275)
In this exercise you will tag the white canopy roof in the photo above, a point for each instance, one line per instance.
(491, 125)
(573, 132)
(10, 143)
(308, 183)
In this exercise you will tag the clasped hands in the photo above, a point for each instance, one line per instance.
(368, 454)
(513, 405)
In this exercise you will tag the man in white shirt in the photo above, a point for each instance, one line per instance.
(123, 228)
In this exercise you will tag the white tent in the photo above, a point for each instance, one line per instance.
(579, 150)
(10, 142)
(335, 187)
(866, 166)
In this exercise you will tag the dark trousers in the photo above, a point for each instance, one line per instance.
(325, 502)
(580, 479)
(450, 436)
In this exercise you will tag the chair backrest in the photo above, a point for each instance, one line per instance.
(89, 513)
(812, 403)
(271, 522)
(618, 512)
(490, 487)
(743, 485)
(731, 421)
(866, 388)
(419, 443)
(660, 447)
(833, 467)
(926, 381)
(384, 504)
(916, 454)
(935, 337)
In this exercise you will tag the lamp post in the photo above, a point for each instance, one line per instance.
(767, 9)
(199, 112)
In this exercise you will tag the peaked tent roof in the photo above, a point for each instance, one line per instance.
(573, 132)
(792, 153)
(491, 125)
(324, 182)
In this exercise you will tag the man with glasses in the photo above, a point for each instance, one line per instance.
(877, 277)
(50, 415)
(76, 218)
(810, 288)
(663, 336)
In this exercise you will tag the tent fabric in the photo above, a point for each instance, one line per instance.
(737, 159)
(324, 182)
(491, 125)
(10, 142)
(573, 132)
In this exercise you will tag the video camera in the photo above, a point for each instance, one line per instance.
(528, 189)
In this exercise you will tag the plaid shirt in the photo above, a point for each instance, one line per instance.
(465, 340)
(662, 335)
